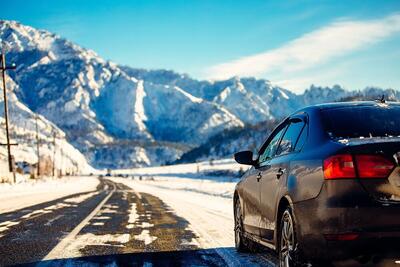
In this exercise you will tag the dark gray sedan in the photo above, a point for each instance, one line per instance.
(325, 185)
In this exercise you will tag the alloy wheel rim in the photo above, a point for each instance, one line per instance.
(287, 242)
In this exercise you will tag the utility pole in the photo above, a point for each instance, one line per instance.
(54, 153)
(62, 163)
(37, 146)
(4, 67)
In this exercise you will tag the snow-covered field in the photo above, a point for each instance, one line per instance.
(187, 169)
(32, 192)
(216, 179)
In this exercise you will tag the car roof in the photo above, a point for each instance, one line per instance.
(350, 105)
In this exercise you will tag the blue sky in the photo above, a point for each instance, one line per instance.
(291, 43)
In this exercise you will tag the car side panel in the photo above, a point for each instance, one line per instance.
(272, 189)
(249, 194)
(305, 179)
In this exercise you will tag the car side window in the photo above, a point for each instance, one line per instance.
(302, 138)
(290, 137)
(270, 149)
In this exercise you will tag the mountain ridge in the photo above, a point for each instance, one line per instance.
(99, 104)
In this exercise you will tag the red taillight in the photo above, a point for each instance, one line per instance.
(339, 166)
(341, 237)
(373, 166)
(368, 166)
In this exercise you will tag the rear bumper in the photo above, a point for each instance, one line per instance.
(345, 208)
(378, 243)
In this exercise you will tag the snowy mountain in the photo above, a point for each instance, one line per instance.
(97, 104)
(256, 100)
(119, 116)
(23, 133)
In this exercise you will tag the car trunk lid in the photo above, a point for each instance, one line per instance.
(377, 165)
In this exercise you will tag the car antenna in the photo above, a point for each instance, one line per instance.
(382, 100)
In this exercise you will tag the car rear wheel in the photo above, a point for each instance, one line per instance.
(287, 243)
(240, 242)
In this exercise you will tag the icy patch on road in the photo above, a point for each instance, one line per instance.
(111, 206)
(67, 203)
(4, 226)
(132, 217)
(192, 242)
(50, 222)
(102, 217)
(80, 198)
(145, 237)
(84, 240)
(145, 225)
(108, 211)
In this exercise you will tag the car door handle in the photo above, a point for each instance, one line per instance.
(259, 176)
(280, 173)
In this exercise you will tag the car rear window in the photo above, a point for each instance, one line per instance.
(362, 121)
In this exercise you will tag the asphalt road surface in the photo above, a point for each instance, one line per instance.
(113, 226)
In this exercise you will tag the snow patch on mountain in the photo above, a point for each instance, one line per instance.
(176, 116)
(140, 116)
(23, 132)
(189, 96)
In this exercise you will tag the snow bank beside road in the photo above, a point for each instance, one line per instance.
(218, 169)
(217, 178)
(32, 192)
(203, 186)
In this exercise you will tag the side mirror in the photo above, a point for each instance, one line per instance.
(244, 157)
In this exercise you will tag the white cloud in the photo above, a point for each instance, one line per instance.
(311, 49)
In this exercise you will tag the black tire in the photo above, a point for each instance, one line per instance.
(288, 247)
(240, 240)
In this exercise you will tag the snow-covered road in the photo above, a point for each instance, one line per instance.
(119, 222)
(210, 216)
